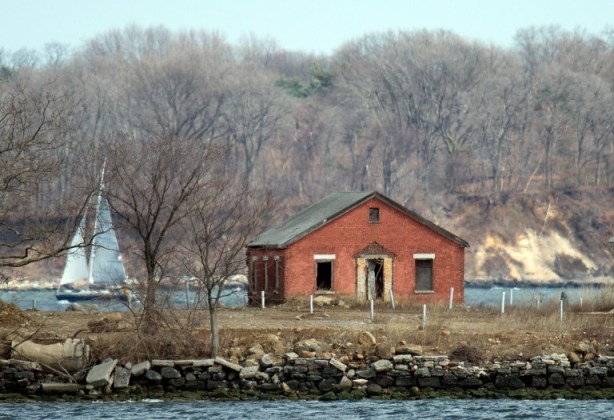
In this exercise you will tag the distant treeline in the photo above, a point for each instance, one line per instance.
(412, 114)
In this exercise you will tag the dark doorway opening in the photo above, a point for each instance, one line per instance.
(324, 275)
(375, 278)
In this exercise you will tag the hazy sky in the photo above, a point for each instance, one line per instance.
(318, 26)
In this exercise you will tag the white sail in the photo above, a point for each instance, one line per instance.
(76, 269)
(106, 266)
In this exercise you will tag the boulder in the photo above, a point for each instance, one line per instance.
(100, 375)
(345, 383)
(403, 348)
(384, 351)
(310, 345)
(583, 348)
(121, 378)
(365, 338)
(227, 364)
(574, 357)
(274, 343)
(338, 365)
(382, 365)
(203, 363)
(374, 389)
(255, 352)
(269, 360)
(72, 355)
(140, 368)
(307, 354)
(422, 372)
(168, 372)
(153, 376)
(249, 372)
(162, 363)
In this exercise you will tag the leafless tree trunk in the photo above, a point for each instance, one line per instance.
(34, 150)
(154, 185)
(215, 235)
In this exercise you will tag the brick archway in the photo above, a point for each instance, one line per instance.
(374, 273)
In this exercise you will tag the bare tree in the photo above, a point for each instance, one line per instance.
(375, 75)
(154, 185)
(254, 110)
(590, 101)
(216, 233)
(179, 94)
(497, 104)
(34, 141)
(552, 101)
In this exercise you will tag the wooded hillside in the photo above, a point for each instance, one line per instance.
(495, 144)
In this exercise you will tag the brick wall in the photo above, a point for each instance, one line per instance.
(266, 268)
(350, 233)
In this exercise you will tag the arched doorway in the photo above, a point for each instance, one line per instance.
(374, 273)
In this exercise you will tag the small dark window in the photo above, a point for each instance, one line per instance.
(324, 275)
(374, 215)
(424, 275)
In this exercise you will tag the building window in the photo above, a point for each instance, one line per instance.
(424, 275)
(374, 215)
(324, 275)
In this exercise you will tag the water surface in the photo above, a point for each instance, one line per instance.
(338, 410)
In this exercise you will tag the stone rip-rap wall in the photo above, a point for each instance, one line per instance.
(291, 376)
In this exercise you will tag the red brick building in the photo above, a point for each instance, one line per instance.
(360, 245)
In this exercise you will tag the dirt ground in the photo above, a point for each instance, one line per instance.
(518, 334)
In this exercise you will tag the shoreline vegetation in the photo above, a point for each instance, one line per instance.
(335, 352)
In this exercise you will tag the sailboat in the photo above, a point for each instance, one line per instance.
(103, 276)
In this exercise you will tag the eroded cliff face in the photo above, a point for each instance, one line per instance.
(533, 258)
(538, 239)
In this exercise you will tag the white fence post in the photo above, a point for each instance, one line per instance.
(451, 297)
(561, 309)
(424, 316)
(372, 310)
(503, 303)
(392, 298)
(262, 299)
(311, 304)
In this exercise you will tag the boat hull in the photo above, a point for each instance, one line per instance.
(91, 295)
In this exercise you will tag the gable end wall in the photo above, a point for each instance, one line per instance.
(351, 232)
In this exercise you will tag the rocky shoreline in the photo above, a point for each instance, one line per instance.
(402, 375)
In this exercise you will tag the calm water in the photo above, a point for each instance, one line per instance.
(45, 300)
(364, 409)
(530, 295)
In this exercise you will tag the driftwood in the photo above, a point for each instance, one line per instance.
(70, 356)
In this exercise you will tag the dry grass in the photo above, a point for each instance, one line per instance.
(522, 332)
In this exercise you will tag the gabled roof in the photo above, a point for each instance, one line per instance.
(327, 210)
